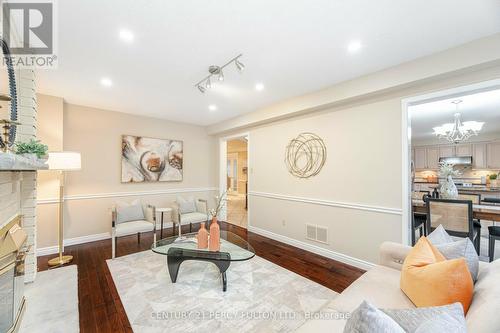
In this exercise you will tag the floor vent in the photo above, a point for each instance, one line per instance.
(317, 233)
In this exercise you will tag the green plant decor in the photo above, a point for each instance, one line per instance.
(493, 176)
(32, 147)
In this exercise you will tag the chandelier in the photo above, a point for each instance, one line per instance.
(458, 131)
(216, 71)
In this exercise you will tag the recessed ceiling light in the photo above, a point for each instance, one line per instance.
(259, 86)
(212, 107)
(106, 81)
(354, 46)
(126, 36)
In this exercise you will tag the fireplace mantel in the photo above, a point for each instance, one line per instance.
(14, 162)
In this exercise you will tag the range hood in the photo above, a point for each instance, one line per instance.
(457, 160)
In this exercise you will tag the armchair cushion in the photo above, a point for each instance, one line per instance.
(186, 205)
(193, 218)
(129, 212)
(133, 227)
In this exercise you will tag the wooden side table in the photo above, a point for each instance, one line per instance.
(163, 211)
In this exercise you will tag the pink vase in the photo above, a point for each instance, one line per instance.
(202, 237)
(214, 241)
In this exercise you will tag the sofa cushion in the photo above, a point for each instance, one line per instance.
(483, 315)
(439, 236)
(367, 319)
(193, 218)
(133, 227)
(428, 279)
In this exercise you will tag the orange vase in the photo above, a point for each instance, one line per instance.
(202, 237)
(214, 242)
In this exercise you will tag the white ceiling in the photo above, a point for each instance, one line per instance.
(293, 47)
(483, 106)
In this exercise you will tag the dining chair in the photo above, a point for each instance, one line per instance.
(456, 216)
(494, 234)
(418, 221)
(476, 200)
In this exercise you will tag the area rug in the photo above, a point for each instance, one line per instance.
(261, 296)
(52, 302)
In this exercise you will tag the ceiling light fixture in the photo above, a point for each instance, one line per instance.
(126, 36)
(212, 107)
(354, 46)
(105, 81)
(259, 87)
(457, 131)
(217, 71)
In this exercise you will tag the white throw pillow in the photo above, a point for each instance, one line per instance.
(186, 205)
(126, 212)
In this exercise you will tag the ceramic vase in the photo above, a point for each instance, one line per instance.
(448, 189)
(202, 237)
(214, 241)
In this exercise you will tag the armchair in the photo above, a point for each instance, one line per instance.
(200, 215)
(123, 226)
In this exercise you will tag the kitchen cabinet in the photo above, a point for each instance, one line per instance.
(463, 150)
(420, 158)
(432, 157)
(446, 151)
(493, 155)
(479, 156)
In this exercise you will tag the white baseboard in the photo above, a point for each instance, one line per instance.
(365, 265)
(43, 251)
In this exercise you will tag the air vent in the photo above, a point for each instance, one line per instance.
(317, 233)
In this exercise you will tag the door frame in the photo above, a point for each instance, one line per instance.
(406, 140)
(223, 168)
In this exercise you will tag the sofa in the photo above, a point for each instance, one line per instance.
(380, 286)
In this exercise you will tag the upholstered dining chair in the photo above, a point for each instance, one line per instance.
(494, 235)
(418, 221)
(189, 211)
(456, 218)
(131, 219)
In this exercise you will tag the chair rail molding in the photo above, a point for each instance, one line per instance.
(331, 203)
(125, 194)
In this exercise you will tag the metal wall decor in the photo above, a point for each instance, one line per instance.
(305, 155)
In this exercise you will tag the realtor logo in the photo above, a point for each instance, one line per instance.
(29, 30)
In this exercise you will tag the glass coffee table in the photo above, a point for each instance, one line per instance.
(232, 248)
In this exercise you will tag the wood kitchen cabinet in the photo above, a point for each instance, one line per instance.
(493, 155)
(432, 157)
(463, 150)
(420, 158)
(479, 156)
(446, 151)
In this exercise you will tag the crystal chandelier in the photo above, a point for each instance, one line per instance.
(458, 131)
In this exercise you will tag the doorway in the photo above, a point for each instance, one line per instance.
(235, 179)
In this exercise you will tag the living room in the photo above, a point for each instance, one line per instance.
(240, 166)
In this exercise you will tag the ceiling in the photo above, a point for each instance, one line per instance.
(482, 106)
(292, 47)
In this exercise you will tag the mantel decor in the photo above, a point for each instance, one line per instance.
(305, 155)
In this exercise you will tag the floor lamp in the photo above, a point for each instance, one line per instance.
(62, 161)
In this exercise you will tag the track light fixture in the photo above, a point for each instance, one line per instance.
(214, 70)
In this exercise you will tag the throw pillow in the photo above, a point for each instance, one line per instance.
(367, 318)
(451, 249)
(186, 205)
(129, 212)
(447, 318)
(428, 279)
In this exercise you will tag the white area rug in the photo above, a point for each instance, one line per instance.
(260, 297)
(52, 302)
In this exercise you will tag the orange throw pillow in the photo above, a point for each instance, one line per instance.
(428, 279)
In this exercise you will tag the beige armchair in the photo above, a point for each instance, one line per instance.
(130, 227)
(200, 215)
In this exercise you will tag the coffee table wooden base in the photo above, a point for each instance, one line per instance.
(175, 257)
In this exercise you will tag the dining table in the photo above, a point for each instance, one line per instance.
(480, 211)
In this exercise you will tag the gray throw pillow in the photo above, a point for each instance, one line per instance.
(447, 318)
(129, 213)
(186, 205)
(450, 249)
(367, 319)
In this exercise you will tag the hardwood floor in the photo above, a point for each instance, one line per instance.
(99, 304)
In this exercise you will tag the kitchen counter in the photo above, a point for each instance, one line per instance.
(481, 189)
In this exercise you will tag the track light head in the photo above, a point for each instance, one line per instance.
(221, 76)
(239, 65)
(201, 88)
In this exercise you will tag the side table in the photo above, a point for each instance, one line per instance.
(163, 211)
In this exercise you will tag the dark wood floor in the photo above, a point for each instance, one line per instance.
(99, 304)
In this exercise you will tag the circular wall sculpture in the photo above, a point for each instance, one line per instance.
(305, 155)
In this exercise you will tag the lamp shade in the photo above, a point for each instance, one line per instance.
(64, 160)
